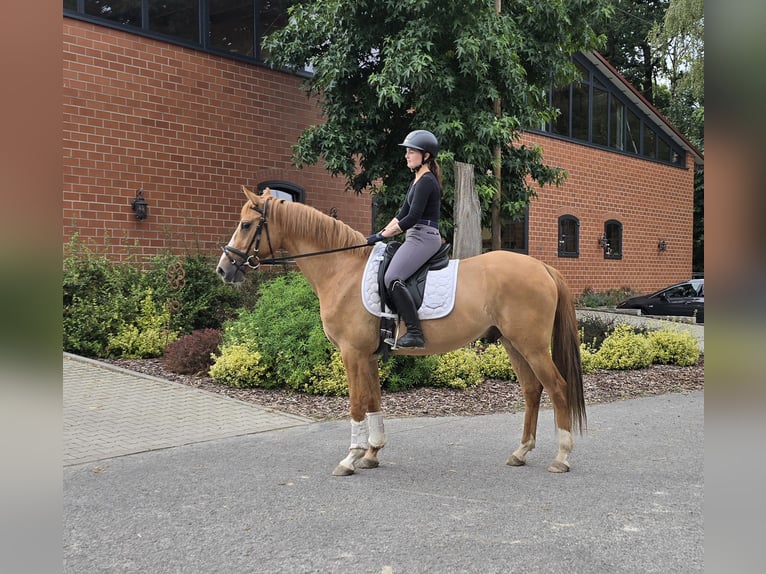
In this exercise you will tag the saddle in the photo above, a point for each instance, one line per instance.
(415, 284)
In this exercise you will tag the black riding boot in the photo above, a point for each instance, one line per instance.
(405, 306)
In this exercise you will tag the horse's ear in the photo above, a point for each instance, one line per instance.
(250, 195)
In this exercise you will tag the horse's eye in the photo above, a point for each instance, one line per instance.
(245, 225)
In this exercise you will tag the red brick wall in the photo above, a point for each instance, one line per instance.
(653, 201)
(189, 128)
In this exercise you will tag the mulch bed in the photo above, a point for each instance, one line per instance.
(492, 396)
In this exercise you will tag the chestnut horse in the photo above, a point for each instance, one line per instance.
(525, 300)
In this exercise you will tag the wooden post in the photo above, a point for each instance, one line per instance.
(467, 235)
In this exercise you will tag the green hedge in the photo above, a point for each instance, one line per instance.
(105, 302)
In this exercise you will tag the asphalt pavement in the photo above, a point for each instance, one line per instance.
(160, 477)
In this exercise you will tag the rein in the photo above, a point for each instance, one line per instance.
(256, 241)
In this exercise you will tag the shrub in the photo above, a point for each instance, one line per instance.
(495, 364)
(147, 336)
(594, 329)
(460, 369)
(329, 378)
(625, 349)
(674, 347)
(608, 298)
(99, 297)
(588, 359)
(403, 372)
(286, 329)
(239, 366)
(192, 353)
(197, 296)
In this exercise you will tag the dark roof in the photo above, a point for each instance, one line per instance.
(630, 92)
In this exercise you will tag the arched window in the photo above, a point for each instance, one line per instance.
(284, 190)
(613, 236)
(569, 236)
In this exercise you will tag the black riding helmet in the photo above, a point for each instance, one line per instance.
(422, 140)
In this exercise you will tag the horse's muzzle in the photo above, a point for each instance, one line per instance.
(229, 271)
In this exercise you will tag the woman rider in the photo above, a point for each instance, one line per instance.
(419, 218)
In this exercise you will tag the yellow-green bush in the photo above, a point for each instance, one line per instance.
(588, 359)
(625, 349)
(147, 336)
(460, 369)
(328, 378)
(495, 363)
(672, 347)
(238, 366)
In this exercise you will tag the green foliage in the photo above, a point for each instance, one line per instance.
(674, 347)
(406, 372)
(102, 298)
(588, 356)
(286, 329)
(608, 298)
(625, 349)
(240, 366)
(385, 68)
(99, 297)
(495, 364)
(460, 369)
(329, 378)
(147, 336)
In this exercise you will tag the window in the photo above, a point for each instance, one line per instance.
(580, 107)
(569, 236)
(595, 111)
(125, 12)
(613, 236)
(600, 121)
(633, 135)
(178, 18)
(617, 124)
(284, 190)
(650, 142)
(560, 100)
(234, 27)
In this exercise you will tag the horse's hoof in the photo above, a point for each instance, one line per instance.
(368, 463)
(513, 460)
(557, 466)
(341, 470)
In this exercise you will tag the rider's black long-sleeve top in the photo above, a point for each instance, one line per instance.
(423, 201)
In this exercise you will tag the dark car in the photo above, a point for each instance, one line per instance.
(682, 299)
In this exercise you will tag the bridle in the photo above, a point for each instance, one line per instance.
(251, 260)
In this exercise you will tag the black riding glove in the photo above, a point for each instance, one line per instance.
(373, 239)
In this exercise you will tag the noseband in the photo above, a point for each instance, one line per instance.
(251, 260)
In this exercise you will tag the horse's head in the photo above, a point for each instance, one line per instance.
(251, 240)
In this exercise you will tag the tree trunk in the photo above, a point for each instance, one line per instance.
(467, 235)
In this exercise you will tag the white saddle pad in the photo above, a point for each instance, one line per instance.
(438, 298)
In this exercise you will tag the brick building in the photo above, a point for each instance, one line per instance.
(189, 124)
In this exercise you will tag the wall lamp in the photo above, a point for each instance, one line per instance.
(139, 205)
(602, 241)
(662, 245)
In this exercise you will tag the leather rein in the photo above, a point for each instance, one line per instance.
(254, 261)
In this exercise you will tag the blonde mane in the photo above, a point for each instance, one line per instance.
(300, 220)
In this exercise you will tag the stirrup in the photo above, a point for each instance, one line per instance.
(393, 342)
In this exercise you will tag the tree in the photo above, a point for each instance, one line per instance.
(680, 39)
(382, 68)
(627, 42)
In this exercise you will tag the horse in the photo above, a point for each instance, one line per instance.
(523, 299)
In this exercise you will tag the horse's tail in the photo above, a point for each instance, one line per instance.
(565, 349)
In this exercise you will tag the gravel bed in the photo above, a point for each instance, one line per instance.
(492, 396)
